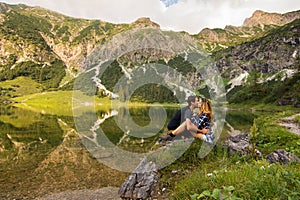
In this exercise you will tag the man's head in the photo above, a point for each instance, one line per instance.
(193, 100)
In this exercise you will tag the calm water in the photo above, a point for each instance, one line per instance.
(43, 154)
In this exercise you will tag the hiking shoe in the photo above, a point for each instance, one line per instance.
(165, 138)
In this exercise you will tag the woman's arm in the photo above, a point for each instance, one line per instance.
(203, 131)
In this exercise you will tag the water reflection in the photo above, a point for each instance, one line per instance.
(131, 129)
(43, 154)
(238, 121)
(119, 141)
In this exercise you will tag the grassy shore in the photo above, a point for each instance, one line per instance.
(220, 176)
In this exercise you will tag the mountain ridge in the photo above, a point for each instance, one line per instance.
(259, 24)
(260, 18)
(41, 44)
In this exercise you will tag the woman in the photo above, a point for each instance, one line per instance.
(199, 122)
(203, 120)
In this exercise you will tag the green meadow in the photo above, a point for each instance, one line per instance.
(223, 176)
(61, 103)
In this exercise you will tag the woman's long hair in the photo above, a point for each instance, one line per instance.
(206, 107)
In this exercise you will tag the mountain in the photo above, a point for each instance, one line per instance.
(265, 66)
(261, 18)
(47, 45)
(51, 48)
(258, 25)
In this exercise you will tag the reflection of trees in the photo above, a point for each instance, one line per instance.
(28, 128)
(240, 119)
(124, 137)
(105, 114)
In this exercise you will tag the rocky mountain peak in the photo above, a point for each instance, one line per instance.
(212, 34)
(260, 18)
(145, 22)
(4, 7)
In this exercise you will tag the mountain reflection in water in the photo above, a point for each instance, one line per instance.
(43, 154)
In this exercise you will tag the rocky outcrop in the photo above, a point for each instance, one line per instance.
(282, 156)
(141, 183)
(4, 7)
(261, 18)
(256, 26)
(144, 22)
(240, 144)
(271, 54)
(290, 123)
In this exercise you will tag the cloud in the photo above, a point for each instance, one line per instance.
(188, 15)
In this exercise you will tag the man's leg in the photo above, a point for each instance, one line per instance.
(172, 133)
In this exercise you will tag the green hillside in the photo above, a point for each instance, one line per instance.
(266, 59)
(50, 48)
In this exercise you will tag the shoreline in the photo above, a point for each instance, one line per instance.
(107, 193)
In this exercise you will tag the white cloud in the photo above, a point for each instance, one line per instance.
(189, 15)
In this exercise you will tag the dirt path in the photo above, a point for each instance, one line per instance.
(290, 123)
(107, 193)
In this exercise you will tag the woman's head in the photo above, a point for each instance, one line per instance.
(205, 107)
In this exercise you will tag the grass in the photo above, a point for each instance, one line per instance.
(250, 180)
(68, 103)
(297, 119)
(60, 103)
(273, 136)
(220, 176)
(16, 118)
(271, 107)
(21, 86)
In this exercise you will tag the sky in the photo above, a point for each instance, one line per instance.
(178, 15)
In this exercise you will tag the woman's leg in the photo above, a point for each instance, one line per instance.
(198, 135)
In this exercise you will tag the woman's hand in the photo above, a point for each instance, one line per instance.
(204, 130)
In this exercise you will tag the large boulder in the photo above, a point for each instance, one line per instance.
(141, 183)
(238, 144)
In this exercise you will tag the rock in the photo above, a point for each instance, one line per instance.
(261, 18)
(240, 144)
(141, 183)
(282, 156)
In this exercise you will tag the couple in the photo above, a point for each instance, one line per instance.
(197, 124)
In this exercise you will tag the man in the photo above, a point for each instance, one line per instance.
(184, 114)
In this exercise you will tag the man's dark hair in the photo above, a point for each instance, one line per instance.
(191, 99)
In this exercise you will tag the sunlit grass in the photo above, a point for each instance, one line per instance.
(68, 103)
(21, 86)
(61, 103)
(21, 119)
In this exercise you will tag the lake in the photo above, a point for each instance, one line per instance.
(44, 153)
